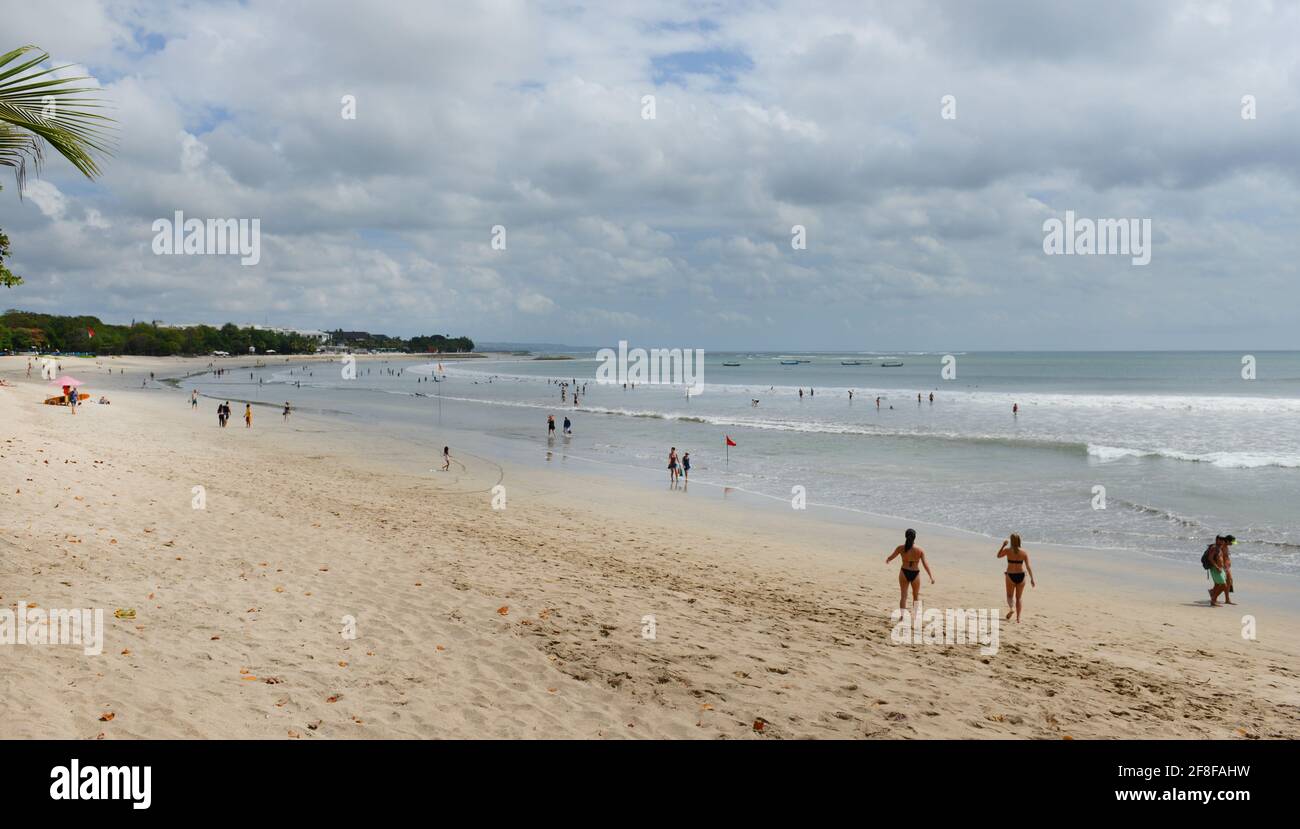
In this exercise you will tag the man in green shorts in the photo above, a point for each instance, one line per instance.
(1218, 572)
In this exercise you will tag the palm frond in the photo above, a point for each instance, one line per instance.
(37, 108)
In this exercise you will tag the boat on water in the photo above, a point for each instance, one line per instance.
(789, 362)
(731, 365)
(891, 363)
(850, 362)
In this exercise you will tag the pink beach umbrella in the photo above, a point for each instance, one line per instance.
(66, 380)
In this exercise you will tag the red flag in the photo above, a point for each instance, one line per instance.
(730, 442)
(90, 332)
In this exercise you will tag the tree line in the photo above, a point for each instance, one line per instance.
(28, 331)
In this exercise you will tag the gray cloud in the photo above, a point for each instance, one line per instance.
(922, 232)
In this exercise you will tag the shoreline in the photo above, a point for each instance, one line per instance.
(796, 607)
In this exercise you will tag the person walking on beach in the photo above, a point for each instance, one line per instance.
(286, 411)
(248, 415)
(1212, 561)
(194, 400)
(913, 559)
(686, 466)
(223, 412)
(550, 426)
(672, 464)
(446, 458)
(1017, 567)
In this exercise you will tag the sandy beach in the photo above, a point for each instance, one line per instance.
(531, 621)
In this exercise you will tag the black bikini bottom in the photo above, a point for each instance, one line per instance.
(1016, 578)
(911, 574)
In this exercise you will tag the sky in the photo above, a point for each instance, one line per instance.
(923, 232)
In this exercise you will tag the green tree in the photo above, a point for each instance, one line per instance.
(7, 277)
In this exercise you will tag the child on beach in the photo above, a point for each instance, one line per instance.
(912, 556)
(248, 415)
(446, 458)
(1017, 566)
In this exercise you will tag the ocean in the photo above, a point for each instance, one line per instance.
(1154, 452)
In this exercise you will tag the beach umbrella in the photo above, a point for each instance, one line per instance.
(65, 380)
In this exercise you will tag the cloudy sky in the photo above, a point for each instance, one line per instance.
(923, 232)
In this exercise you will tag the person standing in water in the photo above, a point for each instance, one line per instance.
(672, 464)
(1017, 567)
(686, 466)
(550, 426)
(913, 559)
(1015, 408)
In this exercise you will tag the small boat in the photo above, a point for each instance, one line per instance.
(731, 365)
(891, 363)
(803, 361)
(850, 362)
(789, 362)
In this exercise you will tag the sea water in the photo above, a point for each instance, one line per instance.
(1155, 452)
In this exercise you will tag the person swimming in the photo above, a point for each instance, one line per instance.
(1017, 567)
(913, 559)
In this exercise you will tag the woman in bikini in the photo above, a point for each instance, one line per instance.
(1017, 567)
(672, 464)
(913, 559)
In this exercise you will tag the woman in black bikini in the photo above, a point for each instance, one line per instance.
(913, 558)
(1017, 566)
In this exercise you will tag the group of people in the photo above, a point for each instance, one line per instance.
(223, 414)
(913, 560)
(550, 427)
(678, 469)
(1218, 566)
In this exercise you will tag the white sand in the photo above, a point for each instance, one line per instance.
(527, 622)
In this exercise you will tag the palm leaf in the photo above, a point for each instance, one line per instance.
(38, 109)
